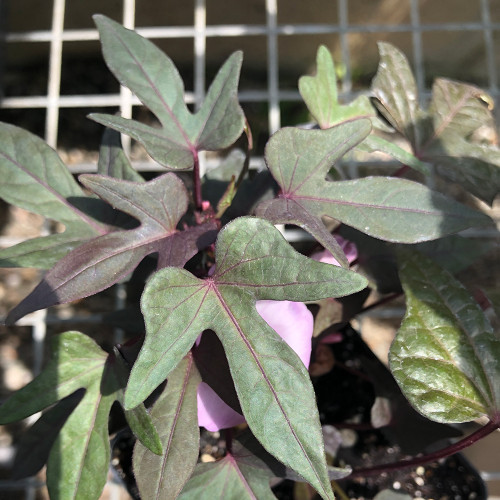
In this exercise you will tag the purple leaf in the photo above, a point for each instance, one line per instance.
(142, 67)
(253, 262)
(99, 263)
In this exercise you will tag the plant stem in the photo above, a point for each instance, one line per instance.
(382, 301)
(229, 440)
(246, 164)
(339, 491)
(197, 181)
(431, 457)
(400, 171)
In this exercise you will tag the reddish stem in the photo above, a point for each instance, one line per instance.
(401, 171)
(197, 181)
(431, 457)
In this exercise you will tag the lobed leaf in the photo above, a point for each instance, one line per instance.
(459, 108)
(253, 262)
(443, 135)
(174, 415)
(139, 65)
(232, 476)
(34, 446)
(35, 178)
(299, 160)
(113, 162)
(79, 458)
(396, 94)
(247, 471)
(374, 143)
(446, 355)
(99, 263)
(320, 95)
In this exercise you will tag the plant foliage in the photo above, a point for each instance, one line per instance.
(211, 269)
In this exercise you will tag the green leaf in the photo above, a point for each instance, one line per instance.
(391, 495)
(35, 178)
(396, 94)
(443, 135)
(138, 419)
(245, 472)
(139, 65)
(320, 95)
(459, 108)
(374, 143)
(446, 356)
(175, 416)
(79, 458)
(476, 167)
(253, 262)
(456, 253)
(232, 475)
(113, 162)
(299, 160)
(34, 446)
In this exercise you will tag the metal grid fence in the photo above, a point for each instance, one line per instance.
(273, 32)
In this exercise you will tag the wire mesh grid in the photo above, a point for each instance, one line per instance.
(272, 31)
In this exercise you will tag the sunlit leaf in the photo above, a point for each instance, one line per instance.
(139, 65)
(395, 90)
(374, 143)
(446, 356)
(387, 208)
(158, 205)
(320, 95)
(253, 262)
(35, 178)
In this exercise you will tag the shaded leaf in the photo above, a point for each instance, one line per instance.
(96, 265)
(174, 415)
(139, 421)
(236, 479)
(79, 458)
(445, 356)
(212, 364)
(34, 446)
(445, 134)
(113, 162)
(246, 471)
(456, 253)
(476, 167)
(336, 312)
(320, 95)
(253, 262)
(35, 178)
(139, 65)
(299, 160)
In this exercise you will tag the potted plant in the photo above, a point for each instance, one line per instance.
(237, 329)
